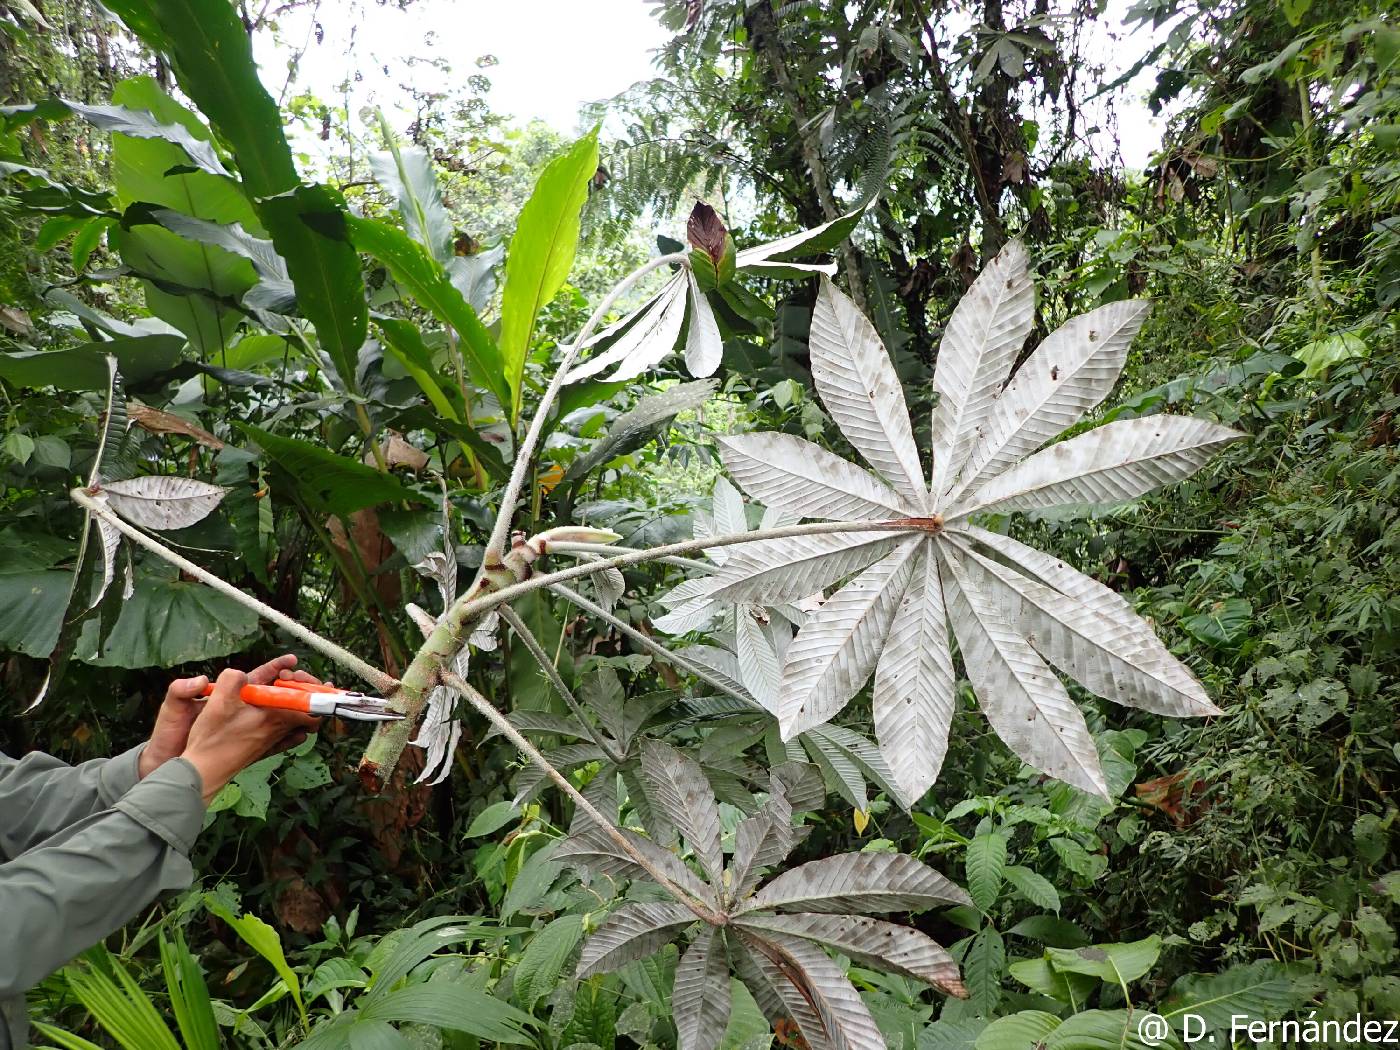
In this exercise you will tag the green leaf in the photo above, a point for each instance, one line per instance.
(189, 995)
(1040, 976)
(64, 1039)
(986, 863)
(329, 482)
(167, 622)
(1033, 887)
(408, 175)
(1113, 963)
(263, 939)
(143, 124)
(1224, 625)
(31, 610)
(492, 818)
(103, 985)
(982, 969)
(403, 340)
(1047, 929)
(544, 958)
(1017, 1031)
(418, 273)
(449, 1004)
(1103, 1030)
(1321, 354)
(542, 253)
(1263, 990)
(85, 367)
(213, 61)
(395, 956)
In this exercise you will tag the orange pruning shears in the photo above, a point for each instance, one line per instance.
(312, 698)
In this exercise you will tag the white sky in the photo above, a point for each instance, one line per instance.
(555, 55)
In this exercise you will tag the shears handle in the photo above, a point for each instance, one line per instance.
(281, 697)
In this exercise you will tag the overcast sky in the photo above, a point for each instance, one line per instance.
(553, 56)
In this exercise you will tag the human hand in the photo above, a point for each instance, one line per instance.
(229, 735)
(183, 704)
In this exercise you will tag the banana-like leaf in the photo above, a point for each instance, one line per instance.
(1021, 697)
(988, 328)
(677, 784)
(631, 932)
(700, 995)
(845, 1018)
(787, 570)
(1104, 654)
(780, 470)
(873, 942)
(703, 346)
(1071, 372)
(854, 882)
(835, 653)
(1118, 461)
(915, 688)
(858, 385)
(596, 851)
(408, 174)
(163, 501)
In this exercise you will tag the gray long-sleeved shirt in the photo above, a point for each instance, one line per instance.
(82, 850)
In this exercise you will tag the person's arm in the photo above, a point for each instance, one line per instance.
(75, 888)
(40, 795)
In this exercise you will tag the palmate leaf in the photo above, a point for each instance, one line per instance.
(1113, 463)
(1106, 654)
(781, 470)
(873, 942)
(700, 995)
(1024, 701)
(704, 348)
(777, 995)
(1068, 375)
(854, 882)
(988, 328)
(778, 571)
(632, 932)
(859, 387)
(677, 784)
(645, 341)
(834, 654)
(597, 851)
(845, 1019)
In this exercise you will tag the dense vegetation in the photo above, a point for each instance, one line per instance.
(1247, 860)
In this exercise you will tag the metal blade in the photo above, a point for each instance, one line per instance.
(361, 712)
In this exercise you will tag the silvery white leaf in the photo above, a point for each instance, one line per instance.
(987, 330)
(1021, 697)
(629, 933)
(777, 517)
(617, 326)
(915, 688)
(859, 387)
(865, 755)
(1103, 653)
(441, 568)
(857, 882)
(694, 615)
(834, 654)
(759, 669)
(438, 735)
(845, 1018)
(1071, 372)
(703, 346)
(727, 512)
(871, 942)
(788, 570)
(596, 851)
(772, 987)
(760, 841)
(407, 173)
(790, 269)
(677, 784)
(720, 663)
(485, 636)
(645, 343)
(839, 768)
(700, 995)
(806, 479)
(792, 244)
(1113, 463)
(163, 502)
(109, 543)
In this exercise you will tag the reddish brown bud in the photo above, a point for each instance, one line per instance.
(706, 232)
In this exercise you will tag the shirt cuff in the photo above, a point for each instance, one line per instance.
(119, 775)
(169, 803)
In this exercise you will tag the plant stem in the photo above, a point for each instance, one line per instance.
(700, 908)
(525, 452)
(491, 590)
(382, 682)
(651, 645)
(607, 550)
(527, 637)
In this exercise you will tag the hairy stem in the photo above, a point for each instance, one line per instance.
(700, 908)
(378, 679)
(526, 450)
(494, 587)
(527, 637)
(651, 645)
